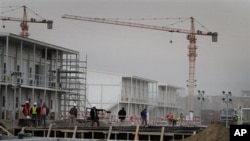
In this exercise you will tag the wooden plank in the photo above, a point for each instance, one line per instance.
(50, 126)
(74, 133)
(162, 133)
(137, 133)
(149, 133)
(109, 133)
(169, 134)
(23, 129)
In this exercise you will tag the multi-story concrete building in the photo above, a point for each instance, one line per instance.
(36, 71)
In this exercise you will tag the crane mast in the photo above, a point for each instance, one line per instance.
(24, 22)
(192, 56)
(191, 36)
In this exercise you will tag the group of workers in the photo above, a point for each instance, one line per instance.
(121, 115)
(93, 116)
(38, 113)
(172, 121)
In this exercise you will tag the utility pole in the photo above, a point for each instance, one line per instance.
(201, 99)
(227, 99)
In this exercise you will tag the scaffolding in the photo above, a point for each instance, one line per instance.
(50, 74)
(72, 82)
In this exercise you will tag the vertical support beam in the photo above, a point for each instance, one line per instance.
(14, 102)
(74, 133)
(137, 133)
(129, 98)
(101, 94)
(162, 134)
(33, 72)
(45, 74)
(109, 134)
(5, 102)
(7, 72)
(57, 105)
(1, 100)
(49, 131)
(21, 70)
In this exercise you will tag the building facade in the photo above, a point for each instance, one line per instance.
(113, 91)
(35, 71)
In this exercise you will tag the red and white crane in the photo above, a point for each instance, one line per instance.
(191, 33)
(24, 22)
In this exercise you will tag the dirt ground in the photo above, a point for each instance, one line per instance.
(214, 132)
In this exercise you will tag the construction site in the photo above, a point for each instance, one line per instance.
(35, 71)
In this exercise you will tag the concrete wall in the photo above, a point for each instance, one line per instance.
(103, 89)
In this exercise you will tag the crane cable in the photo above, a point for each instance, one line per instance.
(19, 7)
(201, 25)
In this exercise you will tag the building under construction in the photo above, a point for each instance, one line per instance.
(39, 72)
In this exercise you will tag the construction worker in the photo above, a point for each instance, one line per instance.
(122, 115)
(26, 109)
(34, 113)
(170, 118)
(144, 117)
(174, 120)
(181, 118)
(73, 115)
(94, 116)
(44, 111)
(237, 119)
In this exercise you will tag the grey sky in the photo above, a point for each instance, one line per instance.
(224, 65)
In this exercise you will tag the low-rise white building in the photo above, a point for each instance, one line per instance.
(112, 91)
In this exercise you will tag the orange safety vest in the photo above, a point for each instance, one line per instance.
(170, 116)
(26, 110)
(42, 112)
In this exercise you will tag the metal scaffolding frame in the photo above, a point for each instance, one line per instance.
(50, 74)
(72, 80)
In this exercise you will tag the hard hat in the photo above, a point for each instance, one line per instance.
(26, 101)
(74, 104)
(93, 105)
(34, 103)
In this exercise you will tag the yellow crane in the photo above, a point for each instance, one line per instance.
(24, 22)
(191, 33)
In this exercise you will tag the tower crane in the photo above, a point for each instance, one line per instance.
(24, 22)
(191, 36)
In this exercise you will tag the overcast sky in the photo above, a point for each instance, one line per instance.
(221, 66)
